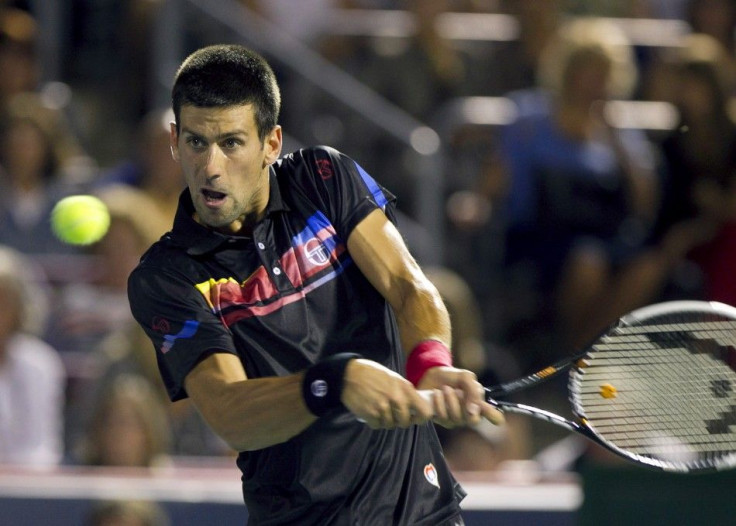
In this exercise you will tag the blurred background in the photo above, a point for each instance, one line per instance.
(557, 163)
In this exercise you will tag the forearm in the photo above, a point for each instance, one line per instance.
(421, 315)
(254, 414)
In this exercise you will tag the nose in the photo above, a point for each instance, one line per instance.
(214, 162)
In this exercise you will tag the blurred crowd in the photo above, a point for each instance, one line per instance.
(559, 214)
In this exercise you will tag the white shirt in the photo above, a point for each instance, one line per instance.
(32, 382)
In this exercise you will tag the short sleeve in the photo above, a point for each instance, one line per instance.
(182, 326)
(340, 186)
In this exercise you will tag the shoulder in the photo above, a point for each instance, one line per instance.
(164, 262)
(34, 355)
(323, 162)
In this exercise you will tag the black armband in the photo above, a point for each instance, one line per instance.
(323, 382)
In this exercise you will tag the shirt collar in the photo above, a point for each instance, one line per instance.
(199, 239)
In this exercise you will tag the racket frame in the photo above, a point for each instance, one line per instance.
(577, 361)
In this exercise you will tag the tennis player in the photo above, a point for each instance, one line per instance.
(285, 304)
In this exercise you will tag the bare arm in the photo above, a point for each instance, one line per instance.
(247, 414)
(379, 251)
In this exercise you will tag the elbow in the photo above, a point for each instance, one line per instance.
(244, 442)
(253, 433)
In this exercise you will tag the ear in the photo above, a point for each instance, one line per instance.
(272, 146)
(174, 141)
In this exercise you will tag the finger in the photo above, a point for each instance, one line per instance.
(492, 414)
(473, 391)
(421, 405)
(473, 398)
(455, 411)
(383, 415)
(402, 415)
(439, 406)
(373, 423)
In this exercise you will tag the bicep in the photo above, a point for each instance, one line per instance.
(379, 251)
(382, 256)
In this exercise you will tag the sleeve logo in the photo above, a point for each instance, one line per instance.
(187, 331)
(324, 168)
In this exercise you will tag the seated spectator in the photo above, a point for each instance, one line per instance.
(715, 18)
(127, 513)
(484, 447)
(152, 169)
(128, 427)
(87, 311)
(35, 147)
(581, 193)
(32, 377)
(697, 217)
(18, 55)
(128, 352)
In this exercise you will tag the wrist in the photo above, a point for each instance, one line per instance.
(323, 383)
(424, 356)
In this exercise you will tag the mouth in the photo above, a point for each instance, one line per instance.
(213, 197)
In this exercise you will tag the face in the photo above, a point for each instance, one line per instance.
(10, 314)
(123, 440)
(26, 153)
(587, 79)
(225, 165)
(695, 97)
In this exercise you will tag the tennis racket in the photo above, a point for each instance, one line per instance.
(658, 387)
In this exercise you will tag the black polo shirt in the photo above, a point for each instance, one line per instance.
(281, 301)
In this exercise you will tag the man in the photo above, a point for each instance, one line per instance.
(281, 303)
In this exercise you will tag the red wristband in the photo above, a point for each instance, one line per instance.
(425, 355)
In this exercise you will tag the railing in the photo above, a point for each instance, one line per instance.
(498, 27)
(212, 495)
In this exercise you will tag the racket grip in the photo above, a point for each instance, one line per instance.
(428, 394)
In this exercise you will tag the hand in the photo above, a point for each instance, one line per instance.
(458, 399)
(381, 397)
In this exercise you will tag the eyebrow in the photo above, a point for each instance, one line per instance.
(218, 137)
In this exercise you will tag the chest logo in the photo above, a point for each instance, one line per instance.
(316, 252)
(430, 473)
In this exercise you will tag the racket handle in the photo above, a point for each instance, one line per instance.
(428, 394)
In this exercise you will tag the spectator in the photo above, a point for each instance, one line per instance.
(86, 312)
(128, 427)
(515, 61)
(483, 447)
(128, 352)
(716, 18)
(697, 215)
(32, 377)
(581, 193)
(152, 169)
(18, 61)
(127, 513)
(35, 146)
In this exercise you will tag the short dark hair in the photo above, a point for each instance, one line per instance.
(228, 75)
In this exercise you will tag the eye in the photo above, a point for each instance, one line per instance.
(195, 142)
(231, 143)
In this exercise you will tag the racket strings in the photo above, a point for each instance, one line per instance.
(673, 385)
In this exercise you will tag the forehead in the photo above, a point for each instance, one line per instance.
(219, 120)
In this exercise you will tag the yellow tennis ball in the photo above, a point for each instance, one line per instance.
(80, 219)
(608, 391)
